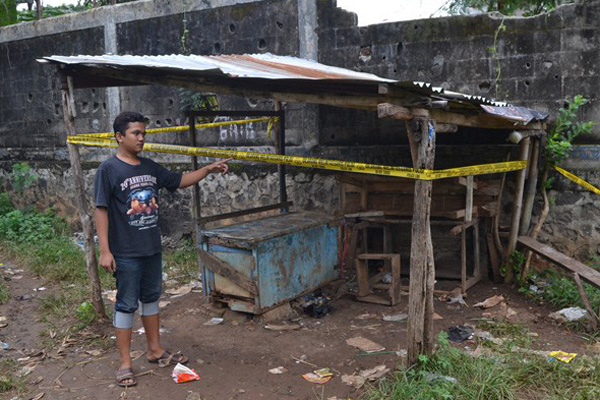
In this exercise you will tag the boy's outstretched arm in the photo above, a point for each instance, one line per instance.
(194, 177)
(107, 261)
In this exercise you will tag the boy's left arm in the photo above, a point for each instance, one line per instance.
(194, 177)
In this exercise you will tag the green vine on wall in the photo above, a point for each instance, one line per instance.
(494, 52)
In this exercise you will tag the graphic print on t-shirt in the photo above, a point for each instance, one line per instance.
(142, 208)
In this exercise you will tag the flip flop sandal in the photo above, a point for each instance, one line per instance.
(124, 375)
(168, 359)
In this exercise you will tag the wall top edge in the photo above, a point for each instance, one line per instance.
(101, 16)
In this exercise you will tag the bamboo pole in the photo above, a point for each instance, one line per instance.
(422, 269)
(80, 198)
(516, 212)
(531, 186)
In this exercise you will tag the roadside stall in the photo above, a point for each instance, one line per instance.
(243, 260)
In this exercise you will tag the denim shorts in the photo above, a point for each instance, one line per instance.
(139, 284)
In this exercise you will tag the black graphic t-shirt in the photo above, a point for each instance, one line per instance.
(130, 193)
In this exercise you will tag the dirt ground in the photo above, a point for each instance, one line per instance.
(233, 358)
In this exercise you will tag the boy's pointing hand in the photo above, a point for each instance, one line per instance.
(219, 166)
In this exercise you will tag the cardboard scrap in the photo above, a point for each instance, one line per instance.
(490, 302)
(181, 291)
(357, 381)
(291, 327)
(396, 317)
(314, 378)
(364, 344)
(367, 316)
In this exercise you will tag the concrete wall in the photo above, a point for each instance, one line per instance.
(537, 62)
(541, 60)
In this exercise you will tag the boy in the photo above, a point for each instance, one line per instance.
(127, 206)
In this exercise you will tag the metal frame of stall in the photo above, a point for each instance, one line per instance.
(283, 204)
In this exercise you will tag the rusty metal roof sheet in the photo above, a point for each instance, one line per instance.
(277, 70)
(262, 66)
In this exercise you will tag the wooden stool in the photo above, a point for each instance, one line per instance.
(365, 284)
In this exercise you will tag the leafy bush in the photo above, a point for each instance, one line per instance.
(30, 227)
(86, 313)
(21, 176)
(561, 291)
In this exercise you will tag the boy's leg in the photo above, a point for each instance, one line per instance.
(124, 346)
(150, 289)
(152, 328)
(128, 276)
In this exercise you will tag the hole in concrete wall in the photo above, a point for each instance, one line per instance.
(415, 27)
(158, 123)
(383, 57)
(49, 121)
(169, 121)
(527, 83)
(30, 97)
(217, 48)
(232, 28)
(103, 106)
(365, 53)
(262, 44)
(556, 77)
(485, 85)
(56, 109)
(94, 91)
(170, 101)
(400, 47)
(395, 70)
(95, 107)
(279, 25)
(527, 65)
(85, 107)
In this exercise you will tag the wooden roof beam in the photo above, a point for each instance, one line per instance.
(388, 110)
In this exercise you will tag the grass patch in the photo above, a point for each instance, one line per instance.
(501, 376)
(561, 291)
(512, 334)
(9, 379)
(42, 243)
(4, 291)
(181, 264)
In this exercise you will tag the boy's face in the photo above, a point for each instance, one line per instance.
(133, 139)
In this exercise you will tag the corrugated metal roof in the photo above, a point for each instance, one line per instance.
(279, 69)
(261, 66)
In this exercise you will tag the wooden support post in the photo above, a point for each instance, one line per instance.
(469, 199)
(422, 272)
(516, 212)
(394, 290)
(80, 198)
(586, 302)
(362, 276)
(494, 258)
(463, 237)
(532, 179)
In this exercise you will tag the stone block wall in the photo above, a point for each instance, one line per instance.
(536, 62)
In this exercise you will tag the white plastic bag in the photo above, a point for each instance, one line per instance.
(182, 374)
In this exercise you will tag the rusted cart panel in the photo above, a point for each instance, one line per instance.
(282, 256)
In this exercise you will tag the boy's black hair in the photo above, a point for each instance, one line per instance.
(122, 121)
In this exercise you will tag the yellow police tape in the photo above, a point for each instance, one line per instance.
(577, 180)
(305, 162)
(179, 128)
